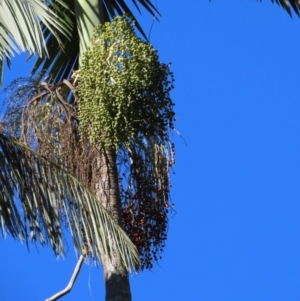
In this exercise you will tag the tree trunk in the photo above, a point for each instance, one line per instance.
(107, 191)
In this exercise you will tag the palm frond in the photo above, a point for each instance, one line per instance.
(37, 197)
(61, 62)
(21, 24)
(288, 4)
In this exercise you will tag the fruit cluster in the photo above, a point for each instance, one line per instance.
(124, 90)
(146, 205)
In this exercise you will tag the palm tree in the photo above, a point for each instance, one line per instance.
(54, 123)
(86, 14)
(63, 56)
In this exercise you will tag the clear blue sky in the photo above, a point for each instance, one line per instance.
(236, 234)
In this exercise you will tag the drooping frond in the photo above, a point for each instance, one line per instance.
(37, 197)
(21, 24)
(60, 62)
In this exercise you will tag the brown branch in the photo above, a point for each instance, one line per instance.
(71, 282)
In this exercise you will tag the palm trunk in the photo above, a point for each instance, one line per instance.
(89, 13)
(107, 191)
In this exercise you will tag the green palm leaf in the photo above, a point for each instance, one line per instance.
(37, 197)
(61, 62)
(21, 24)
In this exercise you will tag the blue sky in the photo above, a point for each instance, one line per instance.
(236, 233)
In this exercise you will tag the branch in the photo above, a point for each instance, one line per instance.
(71, 283)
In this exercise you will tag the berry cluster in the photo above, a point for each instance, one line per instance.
(145, 206)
